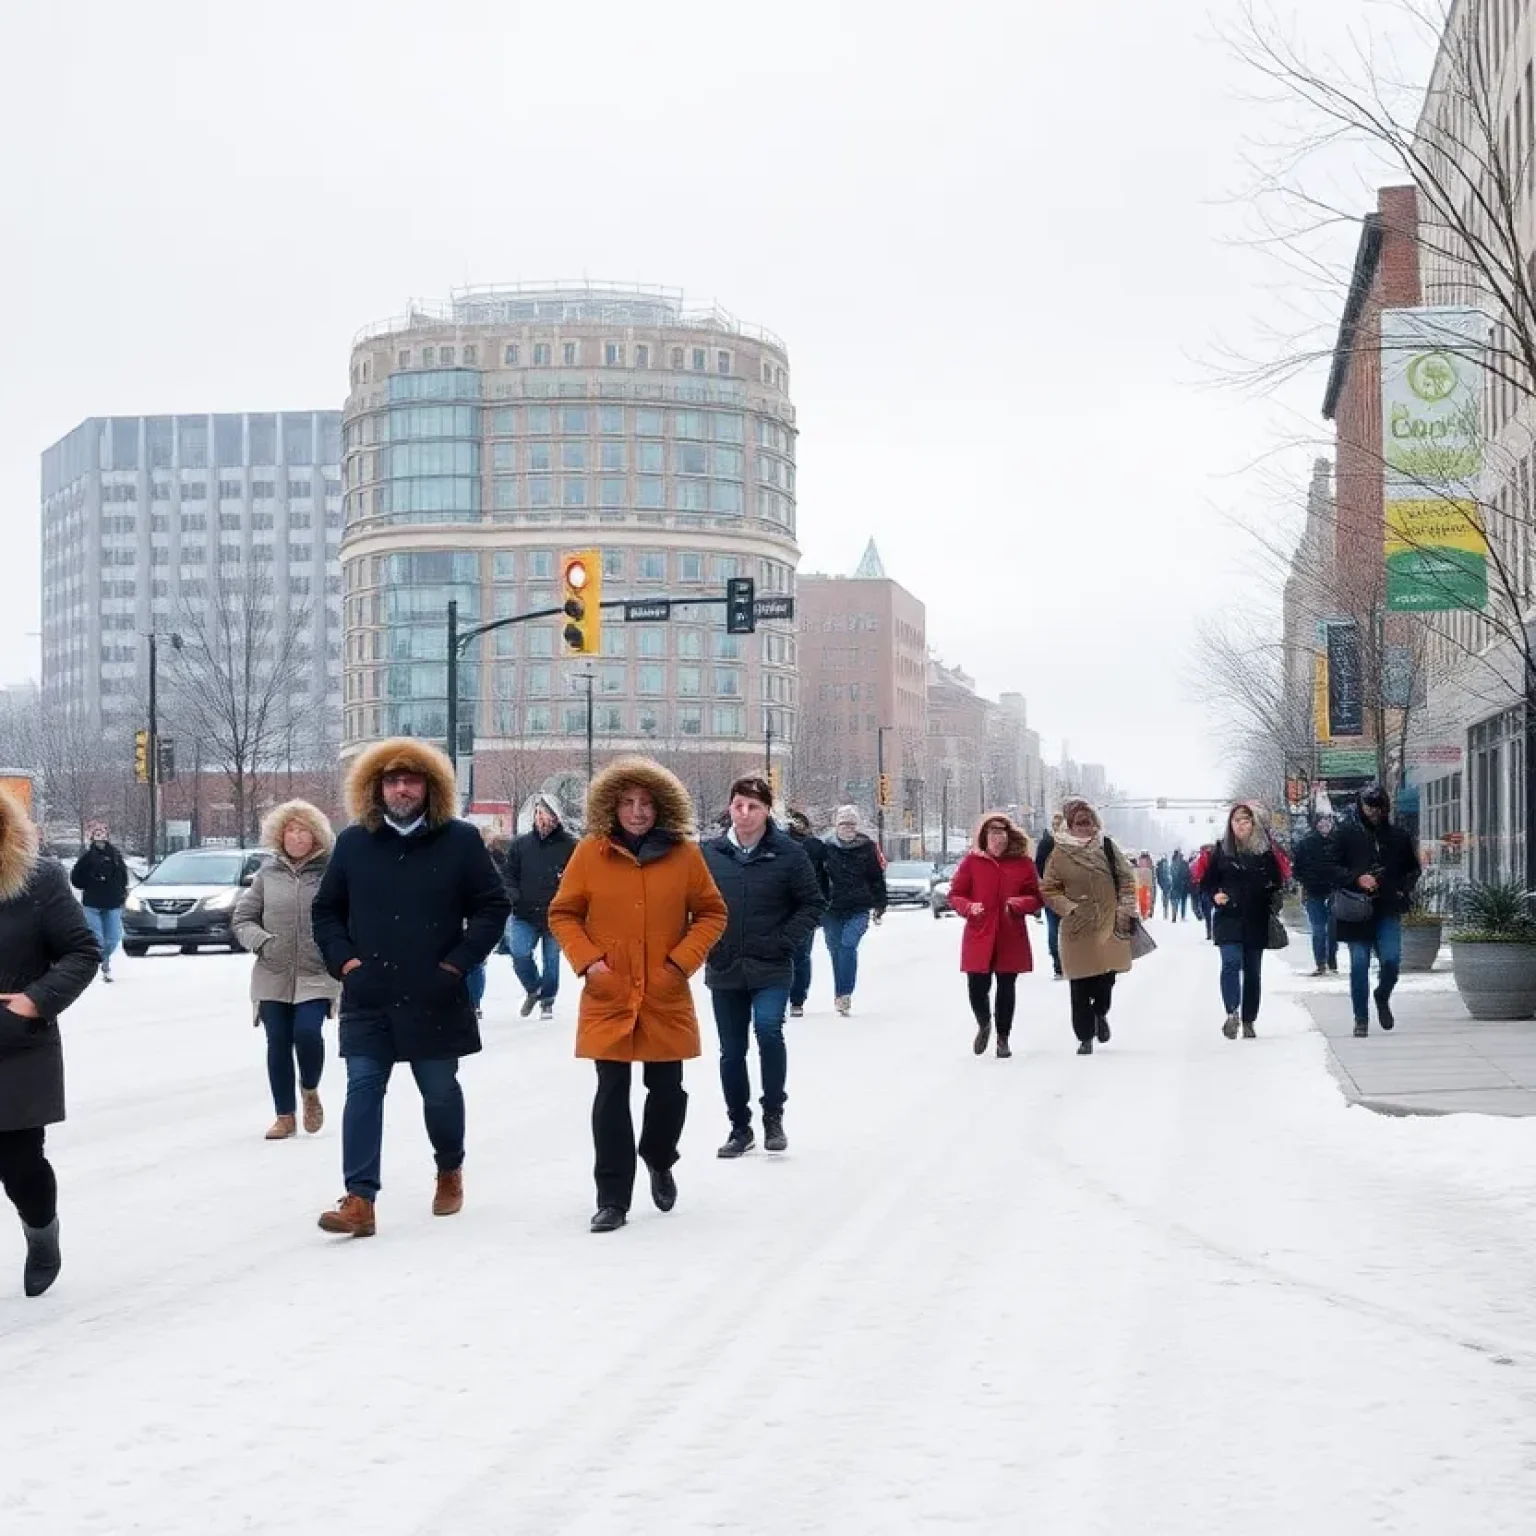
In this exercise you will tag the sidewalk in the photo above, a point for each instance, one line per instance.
(1438, 1061)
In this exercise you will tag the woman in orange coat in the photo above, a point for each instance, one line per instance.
(637, 914)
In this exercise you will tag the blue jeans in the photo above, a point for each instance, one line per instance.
(800, 980)
(293, 1030)
(525, 938)
(1325, 934)
(362, 1123)
(106, 923)
(1053, 938)
(1241, 969)
(843, 932)
(738, 1011)
(474, 984)
(1388, 945)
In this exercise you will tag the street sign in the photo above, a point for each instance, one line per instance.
(773, 608)
(740, 618)
(649, 610)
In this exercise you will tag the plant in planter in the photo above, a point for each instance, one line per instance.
(1423, 924)
(1493, 950)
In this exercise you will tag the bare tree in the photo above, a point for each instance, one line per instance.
(81, 772)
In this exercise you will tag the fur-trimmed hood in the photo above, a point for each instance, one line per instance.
(365, 802)
(1019, 844)
(274, 822)
(18, 846)
(674, 808)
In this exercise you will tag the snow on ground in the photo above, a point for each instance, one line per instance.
(1178, 1287)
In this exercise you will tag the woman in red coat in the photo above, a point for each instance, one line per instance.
(994, 890)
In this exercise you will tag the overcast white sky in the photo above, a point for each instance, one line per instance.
(990, 235)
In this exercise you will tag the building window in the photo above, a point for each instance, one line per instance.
(727, 647)
(540, 455)
(612, 458)
(541, 354)
(650, 640)
(540, 420)
(648, 423)
(609, 720)
(690, 643)
(613, 354)
(573, 493)
(541, 565)
(651, 680)
(677, 358)
(535, 679)
(540, 491)
(652, 565)
(724, 567)
(725, 496)
(690, 719)
(613, 563)
(504, 422)
(573, 420)
(537, 719)
(610, 420)
(650, 458)
(693, 424)
(691, 459)
(510, 355)
(691, 495)
(504, 456)
(726, 462)
(403, 358)
(612, 679)
(700, 360)
(642, 355)
(504, 565)
(472, 356)
(650, 491)
(727, 719)
(429, 357)
(722, 362)
(573, 719)
(570, 352)
(690, 568)
(610, 492)
(690, 682)
(727, 683)
(573, 456)
(615, 641)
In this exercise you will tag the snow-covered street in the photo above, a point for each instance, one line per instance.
(1176, 1287)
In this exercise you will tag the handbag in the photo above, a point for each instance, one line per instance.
(1142, 942)
(1277, 938)
(1352, 906)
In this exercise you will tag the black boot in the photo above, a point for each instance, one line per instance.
(43, 1260)
(609, 1218)
(1384, 1009)
(663, 1188)
(1004, 1050)
(1101, 1028)
(1248, 1033)
(774, 1139)
(740, 1140)
(983, 1034)
(1362, 1029)
(1085, 1047)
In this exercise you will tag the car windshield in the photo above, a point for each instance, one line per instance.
(196, 867)
(910, 871)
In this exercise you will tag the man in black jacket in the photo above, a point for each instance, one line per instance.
(799, 828)
(855, 887)
(411, 903)
(772, 901)
(535, 863)
(1319, 873)
(1383, 861)
(101, 876)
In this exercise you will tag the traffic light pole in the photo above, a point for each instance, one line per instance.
(880, 783)
(152, 767)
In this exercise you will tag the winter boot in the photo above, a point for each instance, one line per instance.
(983, 1037)
(740, 1140)
(1004, 1050)
(663, 1188)
(1101, 1028)
(1085, 1047)
(609, 1218)
(448, 1199)
(1384, 1009)
(1230, 1028)
(546, 1011)
(43, 1260)
(1321, 970)
(314, 1111)
(774, 1139)
(1248, 1033)
(353, 1217)
(106, 970)
(529, 1004)
(1362, 1028)
(797, 1010)
(282, 1128)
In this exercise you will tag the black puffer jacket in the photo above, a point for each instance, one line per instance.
(1250, 882)
(1390, 854)
(1319, 863)
(855, 878)
(101, 877)
(533, 869)
(772, 902)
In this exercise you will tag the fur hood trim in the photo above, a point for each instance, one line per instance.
(365, 801)
(18, 846)
(674, 809)
(1019, 844)
(274, 822)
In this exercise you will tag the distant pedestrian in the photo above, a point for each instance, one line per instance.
(410, 903)
(1320, 872)
(855, 881)
(1382, 860)
(1090, 886)
(293, 992)
(101, 876)
(994, 890)
(48, 957)
(1178, 884)
(815, 850)
(1145, 874)
(773, 903)
(1052, 921)
(636, 915)
(496, 844)
(1164, 888)
(534, 865)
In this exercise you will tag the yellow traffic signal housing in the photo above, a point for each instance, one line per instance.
(141, 756)
(581, 585)
(885, 791)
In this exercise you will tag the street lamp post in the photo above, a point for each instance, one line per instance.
(152, 766)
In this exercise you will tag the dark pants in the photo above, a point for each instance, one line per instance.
(1242, 968)
(1053, 938)
(362, 1122)
(1180, 901)
(613, 1128)
(1388, 945)
(979, 985)
(1325, 933)
(800, 985)
(738, 1012)
(27, 1176)
(1091, 999)
(294, 1030)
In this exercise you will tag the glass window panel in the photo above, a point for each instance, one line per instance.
(612, 458)
(540, 491)
(573, 493)
(610, 419)
(573, 419)
(650, 458)
(573, 456)
(648, 423)
(650, 491)
(610, 493)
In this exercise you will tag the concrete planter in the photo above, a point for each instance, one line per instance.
(1421, 945)
(1496, 981)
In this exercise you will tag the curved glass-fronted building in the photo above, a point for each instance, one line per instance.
(485, 436)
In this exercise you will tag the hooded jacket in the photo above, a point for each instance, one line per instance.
(651, 913)
(1385, 851)
(1250, 878)
(101, 876)
(1089, 885)
(854, 875)
(407, 907)
(47, 952)
(994, 896)
(533, 867)
(773, 903)
(1319, 862)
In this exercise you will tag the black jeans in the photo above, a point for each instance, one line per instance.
(613, 1128)
(1091, 999)
(979, 985)
(27, 1176)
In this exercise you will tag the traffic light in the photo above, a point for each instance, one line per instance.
(776, 782)
(581, 581)
(740, 615)
(141, 756)
(165, 759)
(885, 791)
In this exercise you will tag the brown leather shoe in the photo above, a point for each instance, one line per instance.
(314, 1111)
(282, 1128)
(449, 1199)
(353, 1217)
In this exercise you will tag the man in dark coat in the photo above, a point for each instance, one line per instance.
(1043, 851)
(1319, 873)
(773, 901)
(1383, 861)
(1178, 884)
(410, 904)
(855, 886)
(534, 864)
(101, 876)
(799, 828)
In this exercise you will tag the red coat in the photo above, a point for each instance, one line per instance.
(998, 940)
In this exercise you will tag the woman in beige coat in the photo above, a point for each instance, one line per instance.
(292, 990)
(1088, 883)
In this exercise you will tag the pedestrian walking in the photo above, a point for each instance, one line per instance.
(1242, 878)
(1089, 884)
(48, 957)
(855, 885)
(1145, 875)
(101, 876)
(636, 915)
(1319, 873)
(293, 992)
(801, 831)
(1052, 921)
(1178, 884)
(410, 903)
(994, 890)
(773, 904)
(496, 844)
(534, 865)
(1165, 888)
(1381, 860)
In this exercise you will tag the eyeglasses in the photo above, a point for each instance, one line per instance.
(403, 777)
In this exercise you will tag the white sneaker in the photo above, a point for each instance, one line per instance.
(844, 1006)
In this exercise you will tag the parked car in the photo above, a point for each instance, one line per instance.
(939, 899)
(188, 900)
(909, 882)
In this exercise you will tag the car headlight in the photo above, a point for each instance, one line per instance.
(220, 903)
